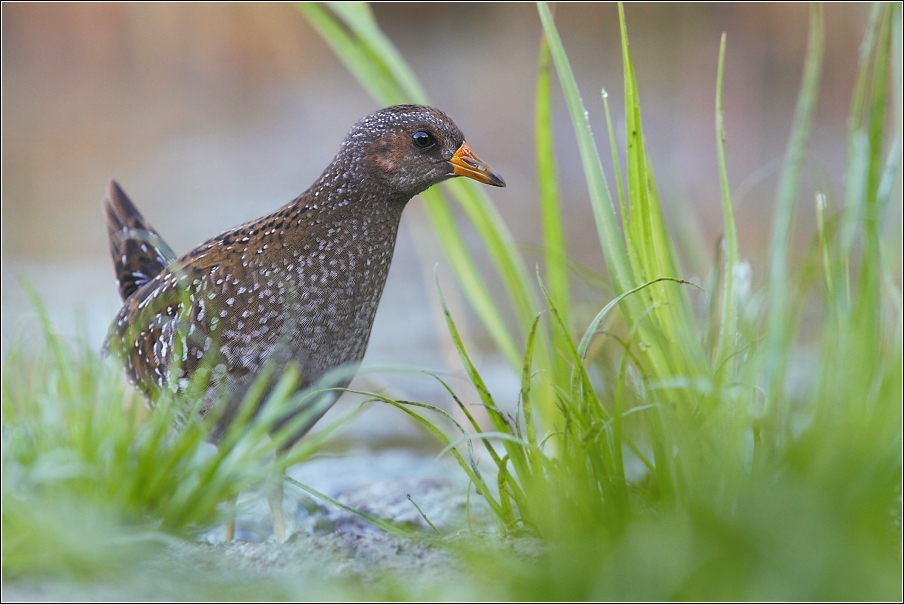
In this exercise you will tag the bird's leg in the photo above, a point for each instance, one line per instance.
(275, 499)
(230, 518)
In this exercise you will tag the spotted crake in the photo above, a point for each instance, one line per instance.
(300, 285)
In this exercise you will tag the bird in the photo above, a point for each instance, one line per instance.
(299, 286)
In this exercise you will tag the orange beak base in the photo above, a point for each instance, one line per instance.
(465, 163)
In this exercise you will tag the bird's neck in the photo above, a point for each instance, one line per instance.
(344, 207)
(346, 184)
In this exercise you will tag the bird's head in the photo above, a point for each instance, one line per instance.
(409, 148)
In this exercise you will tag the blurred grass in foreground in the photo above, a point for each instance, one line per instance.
(657, 453)
(91, 478)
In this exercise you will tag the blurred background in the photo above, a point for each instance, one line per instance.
(213, 114)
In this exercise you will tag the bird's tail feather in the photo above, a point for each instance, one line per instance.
(138, 252)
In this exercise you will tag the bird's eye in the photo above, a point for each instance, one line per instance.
(423, 139)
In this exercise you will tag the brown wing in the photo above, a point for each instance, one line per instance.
(168, 329)
(172, 324)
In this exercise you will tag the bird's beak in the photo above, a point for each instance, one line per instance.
(465, 163)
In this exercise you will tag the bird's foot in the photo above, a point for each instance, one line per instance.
(230, 518)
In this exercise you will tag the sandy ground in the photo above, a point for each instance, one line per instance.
(330, 553)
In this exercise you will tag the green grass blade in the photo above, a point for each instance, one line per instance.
(594, 324)
(857, 169)
(777, 336)
(387, 526)
(824, 245)
(650, 247)
(616, 166)
(526, 400)
(868, 288)
(474, 424)
(897, 46)
(373, 76)
(550, 206)
(424, 516)
(468, 275)
(728, 334)
(649, 240)
(485, 436)
(360, 19)
(468, 468)
(611, 238)
(637, 223)
(500, 423)
(501, 247)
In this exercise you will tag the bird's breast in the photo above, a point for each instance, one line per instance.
(313, 297)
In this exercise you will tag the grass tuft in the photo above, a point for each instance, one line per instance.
(82, 457)
(659, 463)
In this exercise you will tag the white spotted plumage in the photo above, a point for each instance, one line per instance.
(300, 285)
